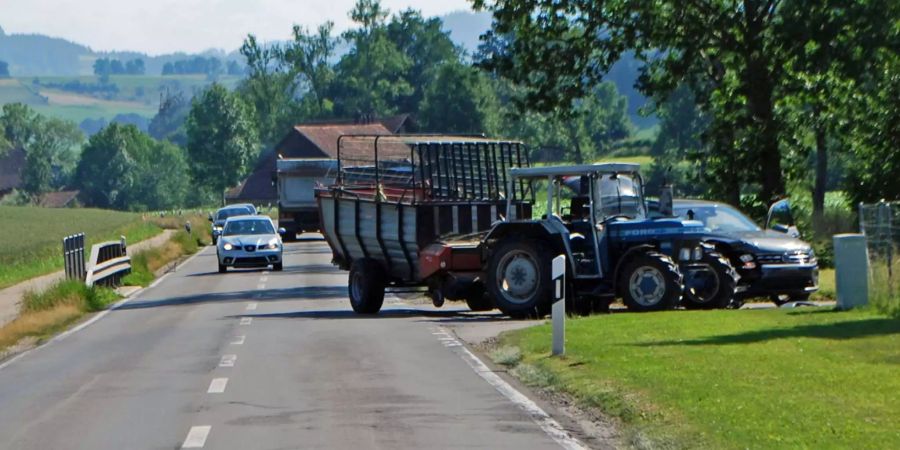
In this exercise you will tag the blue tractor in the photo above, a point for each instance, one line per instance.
(597, 217)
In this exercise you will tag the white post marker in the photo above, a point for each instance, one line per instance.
(558, 272)
(851, 270)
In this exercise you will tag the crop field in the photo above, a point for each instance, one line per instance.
(137, 94)
(31, 238)
(779, 378)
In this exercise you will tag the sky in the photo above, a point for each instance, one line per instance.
(166, 26)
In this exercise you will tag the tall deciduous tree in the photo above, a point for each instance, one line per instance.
(309, 57)
(271, 87)
(222, 140)
(460, 100)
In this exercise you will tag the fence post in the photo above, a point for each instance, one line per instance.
(558, 273)
(851, 270)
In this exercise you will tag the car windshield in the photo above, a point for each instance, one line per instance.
(238, 227)
(717, 217)
(619, 195)
(231, 212)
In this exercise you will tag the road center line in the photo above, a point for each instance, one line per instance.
(252, 306)
(265, 272)
(261, 286)
(217, 386)
(196, 437)
(228, 361)
(246, 320)
(238, 340)
(263, 279)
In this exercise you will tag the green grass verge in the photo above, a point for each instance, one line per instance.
(144, 264)
(803, 378)
(48, 312)
(31, 238)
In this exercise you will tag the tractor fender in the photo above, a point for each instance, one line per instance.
(624, 259)
(551, 231)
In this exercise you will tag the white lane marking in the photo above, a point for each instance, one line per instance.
(263, 279)
(94, 319)
(217, 386)
(196, 437)
(265, 272)
(238, 340)
(252, 306)
(246, 320)
(538, 415)
(228, 361)
(261, 286)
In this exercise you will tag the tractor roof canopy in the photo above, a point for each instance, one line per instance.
(576, 169)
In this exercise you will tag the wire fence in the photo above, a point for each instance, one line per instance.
(880, 222)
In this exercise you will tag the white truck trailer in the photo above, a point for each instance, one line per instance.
(297, 179)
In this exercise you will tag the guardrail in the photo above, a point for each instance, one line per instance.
(109, 263)
(73, 255)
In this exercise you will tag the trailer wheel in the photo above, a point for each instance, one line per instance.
(478, 299)
(712, 288)
(650, 282)
(366, 286)
(518, 278)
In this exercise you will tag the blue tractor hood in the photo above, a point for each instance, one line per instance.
(642, 229)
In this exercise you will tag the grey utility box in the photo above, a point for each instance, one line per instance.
(851, 270)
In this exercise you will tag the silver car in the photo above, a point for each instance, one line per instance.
(249, 241)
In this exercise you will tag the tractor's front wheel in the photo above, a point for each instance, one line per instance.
(650, 282)
(518, 278)
(712, 286)
(366, 286)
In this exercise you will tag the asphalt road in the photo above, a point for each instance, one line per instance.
(255, 359)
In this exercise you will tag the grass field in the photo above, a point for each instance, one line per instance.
(31, 238)
(801, 378)
(138, 94)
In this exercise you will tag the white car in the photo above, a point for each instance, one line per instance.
(249, 241)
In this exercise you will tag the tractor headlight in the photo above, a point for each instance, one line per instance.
(684, 254)
(698, 253)
(227, 246)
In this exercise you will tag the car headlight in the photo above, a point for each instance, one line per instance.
(227, 246)
(272, 245)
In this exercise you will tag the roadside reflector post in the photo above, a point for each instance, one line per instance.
(558, 273)
(851, 270)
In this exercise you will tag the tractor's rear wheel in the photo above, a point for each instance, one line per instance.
(366, 286)
(712, 287)
(650, 282)
(518, 278)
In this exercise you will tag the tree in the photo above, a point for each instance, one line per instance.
(309, 57)
(560, 49)
(459, 100)
(122, 168)
(270, 87)
(50, 156)
(427, 46)
(221, 139)
(17, 122)
(371, 76)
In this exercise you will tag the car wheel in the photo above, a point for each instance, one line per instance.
(366, 285)
(519, 278)
(278, 267)
(650, 282)
(781, 299)
(223, 268)
(712, 287)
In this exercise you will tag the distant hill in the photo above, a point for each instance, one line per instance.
(40, 55)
